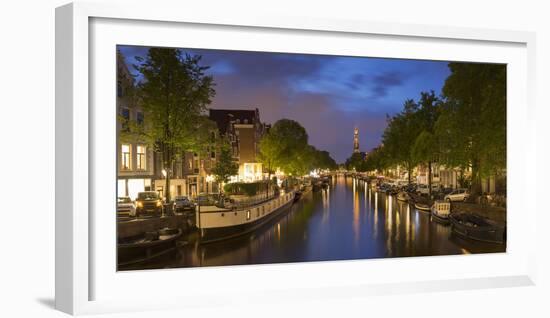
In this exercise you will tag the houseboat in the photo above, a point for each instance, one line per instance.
(221, 224)
(441, 211)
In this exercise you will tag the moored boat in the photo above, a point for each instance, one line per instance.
(476, 227)
(422, 203)
(147, 246)
(221, 224)
(422, 206)
(403, 196)
(441, 211)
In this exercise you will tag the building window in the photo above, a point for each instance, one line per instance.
(141, 154)
(139, 118)
(213, 155)
(125, 114)
(125, 157)
(119, 89)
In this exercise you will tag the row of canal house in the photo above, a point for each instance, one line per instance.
(450, 178)
(140, 167)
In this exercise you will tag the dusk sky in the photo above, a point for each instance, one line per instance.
(328, 95)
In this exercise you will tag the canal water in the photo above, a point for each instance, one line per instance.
(348, 220)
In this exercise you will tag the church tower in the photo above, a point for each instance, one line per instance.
(356, 140)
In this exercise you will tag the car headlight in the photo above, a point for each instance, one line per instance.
(139, 204)
(159, 203)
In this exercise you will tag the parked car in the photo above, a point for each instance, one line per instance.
(148, 202)
(206, 199)
(458, 195)
(125, 207)
(410, 187)
(423, 188)
(182, 203)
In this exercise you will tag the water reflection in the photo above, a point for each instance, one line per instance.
(329, 225)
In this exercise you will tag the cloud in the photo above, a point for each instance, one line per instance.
(328, 95)
(383, 82)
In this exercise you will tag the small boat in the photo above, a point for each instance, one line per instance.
(147, 246)
(392, 191)
(422, 206)
(297, 195)
(441, 211)
(403, 196)
(476, 227)
(421, 203)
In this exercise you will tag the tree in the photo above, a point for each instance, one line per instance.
(356, 161)
(423, 151)
(400, 135)
(425, 148)
(225, 166)
(472, 127)
(283, 145)
(376, 160)
(174, 94)
(323, 160)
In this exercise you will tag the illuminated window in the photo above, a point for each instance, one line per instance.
(141, 155)
(125, 157)
(248, 214)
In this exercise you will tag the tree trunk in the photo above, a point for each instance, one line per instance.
(430, 179)
(167, 185)
(476, 179)
(268, 179)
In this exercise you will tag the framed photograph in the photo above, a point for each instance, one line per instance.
(251, 157)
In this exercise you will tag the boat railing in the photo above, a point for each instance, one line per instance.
(243, 203)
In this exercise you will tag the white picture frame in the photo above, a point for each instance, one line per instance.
(83, 286)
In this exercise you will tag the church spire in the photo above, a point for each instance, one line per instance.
(356, 140)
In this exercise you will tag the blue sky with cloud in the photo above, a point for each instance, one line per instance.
(328, 95)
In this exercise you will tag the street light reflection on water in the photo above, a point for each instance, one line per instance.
(330, 225)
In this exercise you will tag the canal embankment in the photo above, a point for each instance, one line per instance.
(139, 226)
(497, 214)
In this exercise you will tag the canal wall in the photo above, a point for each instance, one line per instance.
(497, 214)
(139, 226)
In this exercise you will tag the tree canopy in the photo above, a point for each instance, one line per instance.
(174, 94)
(463, 128)
(472, 126)
(225, 166)
(400, 135)
(285, 147)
